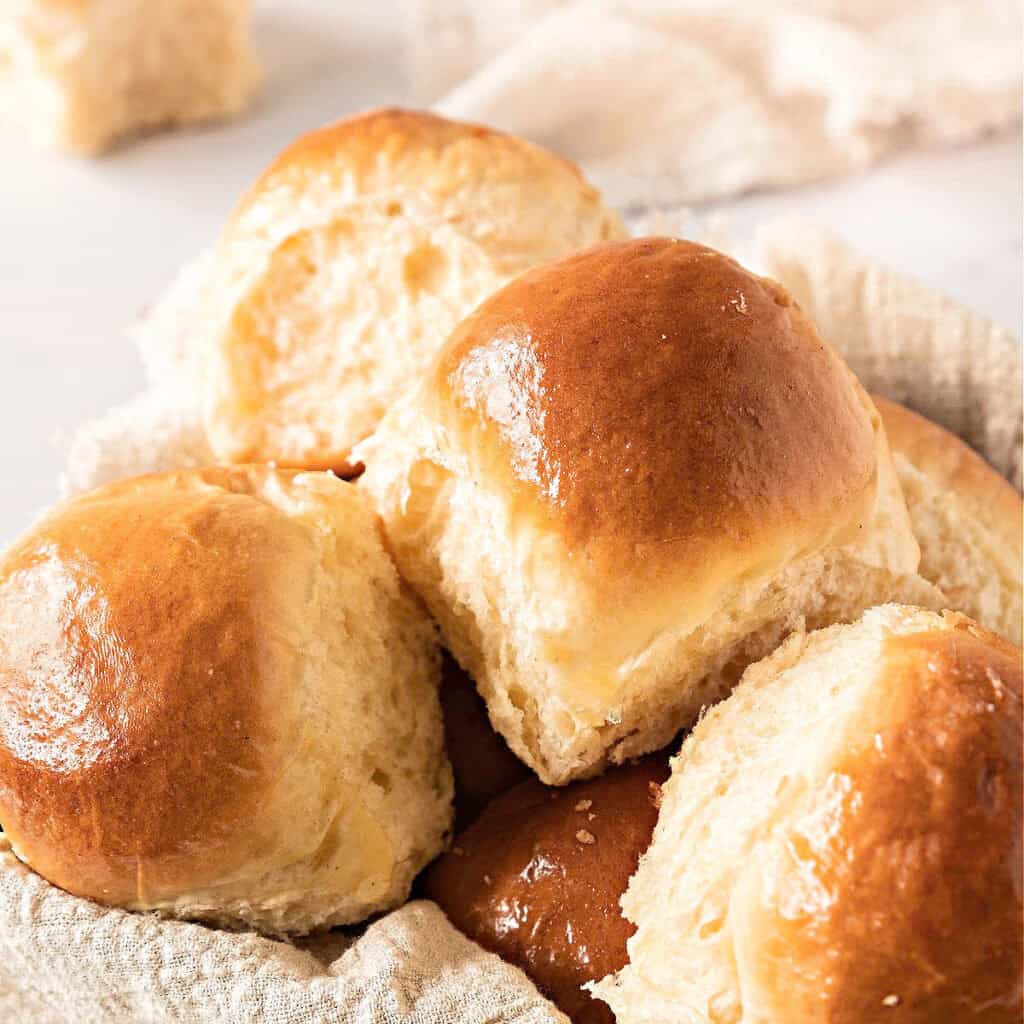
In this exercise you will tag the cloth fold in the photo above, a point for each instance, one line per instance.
(674, 101)
(904, 340)
(66, 959)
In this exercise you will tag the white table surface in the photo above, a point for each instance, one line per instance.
(86, 245)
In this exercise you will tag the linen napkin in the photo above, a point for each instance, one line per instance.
(673, 101)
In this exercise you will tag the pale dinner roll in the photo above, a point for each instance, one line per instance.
(840, 840)
(82, 74)
(350, 260)
(968, 519)
(627, 476)
(217, 702)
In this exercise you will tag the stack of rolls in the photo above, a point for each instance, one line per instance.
(608, 497)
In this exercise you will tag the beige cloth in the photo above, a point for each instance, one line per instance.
(63, 959)
(906, 341)
(69, 961)
(672, 101)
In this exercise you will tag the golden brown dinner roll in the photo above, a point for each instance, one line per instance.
(350, 260)
(482, 765)
(967, 518)
(538, 877)
(840, 840)
(217, 702)
(627, 475)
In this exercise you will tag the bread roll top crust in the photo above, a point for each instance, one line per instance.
(538, 877)
(940, 793)
(662, 409)
(378, 148)
(141, 653)
(919, 841)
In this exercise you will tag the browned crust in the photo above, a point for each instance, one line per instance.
(135, 670)
(907, 905)
(944, 458)
(538, 877)
(659, 406)
(357, 147)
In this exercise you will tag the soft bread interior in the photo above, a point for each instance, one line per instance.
(31, 101)
(718, 816)
(348, 264)
(337, 321)
(972, 564)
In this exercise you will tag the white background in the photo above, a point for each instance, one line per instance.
(86, 245)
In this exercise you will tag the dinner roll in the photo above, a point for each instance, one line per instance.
(538, 878)
(627, 475)
(840, 840)
(967, 518)
(217, 702)
(482, 765)
(83, 74)
(350, 260)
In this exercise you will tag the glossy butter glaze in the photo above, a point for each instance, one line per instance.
(658, 406)
(538, 877)
(901, 895)
(122, 751)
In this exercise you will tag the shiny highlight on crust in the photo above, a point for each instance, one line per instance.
(924, 804)
(95, 695)
(538, 877)
(652, 401)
